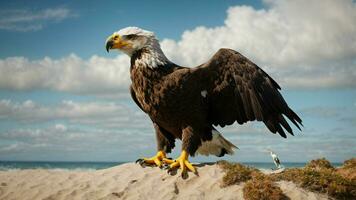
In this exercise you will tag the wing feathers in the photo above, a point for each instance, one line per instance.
(285, 124)
(294, 119)
(241, 91)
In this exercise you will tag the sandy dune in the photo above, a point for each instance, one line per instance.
(127, 181)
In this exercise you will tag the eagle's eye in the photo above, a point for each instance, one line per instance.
(115, 37)
(131, 36)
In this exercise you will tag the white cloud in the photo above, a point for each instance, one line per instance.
(30, 111)
(60, 127)
(300, 46)
(98, 75)
(53, 143)
(31, 20)
(15, 147)
(108, 130)
(67, 142)
(104, 115)
(303, 44)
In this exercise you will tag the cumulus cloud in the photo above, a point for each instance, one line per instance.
(29, 111)
(108, 130)
(12, 148)
(303, 44)
(31, 20)
(97, 75)
(302, 47)
(61, 142)
(92, 115)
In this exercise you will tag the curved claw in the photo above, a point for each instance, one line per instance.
(141, 161)
(155, 160)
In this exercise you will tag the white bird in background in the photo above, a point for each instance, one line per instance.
(275, 159)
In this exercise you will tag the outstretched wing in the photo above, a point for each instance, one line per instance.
(238, 90)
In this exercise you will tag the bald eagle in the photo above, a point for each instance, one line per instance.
(186, 103)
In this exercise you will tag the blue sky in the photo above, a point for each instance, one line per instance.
(62, 97)
(89, 23)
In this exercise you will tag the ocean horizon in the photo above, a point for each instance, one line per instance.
(95, 165)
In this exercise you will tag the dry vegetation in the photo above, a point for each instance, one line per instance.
(318, 164)
(348, 170)
(257, 187)
(350, 164)
(236, 173)
(261, 187)
(318, 176)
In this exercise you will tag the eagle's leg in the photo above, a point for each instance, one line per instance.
(165, 143)
(189, 146)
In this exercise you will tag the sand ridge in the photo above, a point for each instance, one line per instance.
(127, 181)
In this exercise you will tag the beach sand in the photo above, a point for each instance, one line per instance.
(127, 181)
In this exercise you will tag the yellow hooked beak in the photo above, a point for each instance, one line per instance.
(116, 42)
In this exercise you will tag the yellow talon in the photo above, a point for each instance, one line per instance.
(155, 160)
(167, 161)
(181, 162)
(189, 166)
(174, 165)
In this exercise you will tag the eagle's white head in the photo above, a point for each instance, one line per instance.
(132, 39)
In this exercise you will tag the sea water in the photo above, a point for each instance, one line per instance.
(18, 165)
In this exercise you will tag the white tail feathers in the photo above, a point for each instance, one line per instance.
(218, 146)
